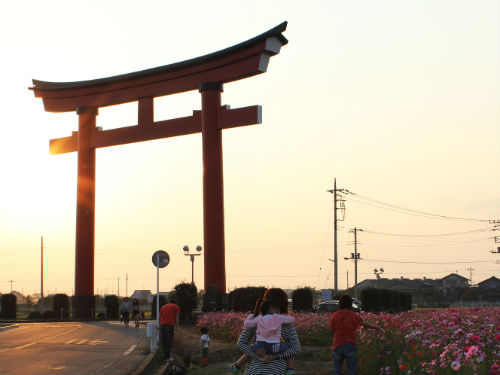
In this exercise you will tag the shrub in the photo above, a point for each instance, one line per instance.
(35, 315)
(186, 293)
(49, 315)
(302, 299)
(61, 301)
(370, 301)
(407, 301)
(395, 308)
(9, 306)
(111, 302)
(385, 299)
(163, 301)
(244, 299)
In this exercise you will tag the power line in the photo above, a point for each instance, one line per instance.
(431, 235)
(428, 245)
(413, 262)
(392, 207)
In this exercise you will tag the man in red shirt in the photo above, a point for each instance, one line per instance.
(344, 324)
(169, 321)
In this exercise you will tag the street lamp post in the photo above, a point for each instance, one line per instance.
(356, 257)
(192, 255)
(378, 272)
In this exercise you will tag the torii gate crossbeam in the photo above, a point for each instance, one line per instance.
(207, 74)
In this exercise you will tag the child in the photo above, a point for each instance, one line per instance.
(344, 324)
(268, 333)
(204, 341)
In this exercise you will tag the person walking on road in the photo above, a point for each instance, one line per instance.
(169, 321)
(136, 311)
(125, 310)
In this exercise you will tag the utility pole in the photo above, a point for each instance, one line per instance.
(42, 307)
(11, 281)
(126, 284)
(497, 251)
(336, 199)
(347, 279)
(355, 256)
(118, 287)
(470, 273)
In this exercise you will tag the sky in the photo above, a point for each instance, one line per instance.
(397, 100)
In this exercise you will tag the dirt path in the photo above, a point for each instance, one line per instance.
(312, 360)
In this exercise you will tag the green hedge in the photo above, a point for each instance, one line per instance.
(112, 304)
(35, 315)
(61, 301)
(302, 299)
(244, 299)
(9, 306)
(185, 294)
(376, 300)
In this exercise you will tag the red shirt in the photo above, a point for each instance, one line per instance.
(344, 324)
(168, 313)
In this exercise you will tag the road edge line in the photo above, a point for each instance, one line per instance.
(145, 362)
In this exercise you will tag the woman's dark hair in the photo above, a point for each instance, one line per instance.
(279, 296)
(135, 301)
(203, 329)
(257, 309)
(267, 305)
(345, 302)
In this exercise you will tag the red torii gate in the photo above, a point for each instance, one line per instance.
(207, 74)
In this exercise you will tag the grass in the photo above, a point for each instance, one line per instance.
(313, 360)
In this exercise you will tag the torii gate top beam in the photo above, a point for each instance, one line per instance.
(240, 61)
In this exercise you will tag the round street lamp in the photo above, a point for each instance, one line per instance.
(378, 272)
(192, 255)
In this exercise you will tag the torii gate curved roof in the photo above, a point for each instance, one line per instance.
(239, 61)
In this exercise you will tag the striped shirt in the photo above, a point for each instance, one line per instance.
(276, 367)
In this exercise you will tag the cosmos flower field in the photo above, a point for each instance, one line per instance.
(440, 341)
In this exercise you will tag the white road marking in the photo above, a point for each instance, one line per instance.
(98, 342)
(130, 350)
(70, 341)
(81, 342)
(36, 342)
(10, 329)
(105, 367)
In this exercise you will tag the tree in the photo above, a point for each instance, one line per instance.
(186, 294)
(302, 299)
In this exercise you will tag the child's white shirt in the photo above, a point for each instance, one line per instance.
(268, 326)
(205, 339)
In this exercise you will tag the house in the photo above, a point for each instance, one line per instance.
(453, 286)
(143, 295)
(489, 289)
(438, 292)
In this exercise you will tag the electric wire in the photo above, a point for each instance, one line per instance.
(395, 208)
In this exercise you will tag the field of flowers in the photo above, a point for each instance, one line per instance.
(442, 341)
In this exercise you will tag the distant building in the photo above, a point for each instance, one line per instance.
(489, 289)
(143, 295)
(454, 286)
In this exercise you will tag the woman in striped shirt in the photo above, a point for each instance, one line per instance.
(270, 364)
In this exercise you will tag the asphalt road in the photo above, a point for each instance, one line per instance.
(71, 348)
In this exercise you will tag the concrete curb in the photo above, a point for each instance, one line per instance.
(145, 362)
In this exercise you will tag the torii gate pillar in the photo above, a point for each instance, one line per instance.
(213, 189)
(83, 300)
